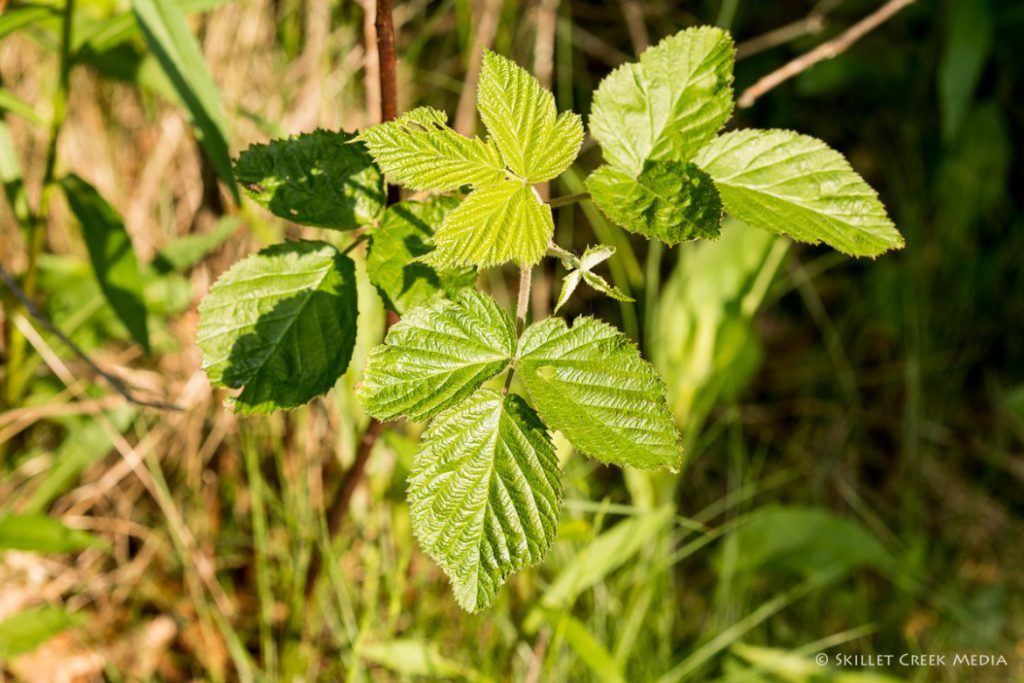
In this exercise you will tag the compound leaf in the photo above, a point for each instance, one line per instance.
(485, 494)
(667, 105)
(280, 325)
(405, 233)
(176, 49)
(493, 225)
(436, 356)
(419, 151)
(320, 178)
(670, 200)
(589, 382)
(111, 254)
(796, 185)
(520, 115)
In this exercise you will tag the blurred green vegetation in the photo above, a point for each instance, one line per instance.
(855, 429)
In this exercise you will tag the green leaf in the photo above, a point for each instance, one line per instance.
(415, 657)
(42, 534)
(796, 185)
(405, 233)
(485, 494)
(666, 106)
(187, 251)
(670, 200)
(30, 628)
(580, 271)
(589, 382)
(12, 177)
(436, 356)
(280, 325)
(419, 151)
(535, 143)
(169, 39)
(112, 255)
(321, 178)
(494, 225)
(14, 104)
(967, 46)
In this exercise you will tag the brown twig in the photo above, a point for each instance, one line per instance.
(812, 24)
(115, 382)
(385, 27)
(826, 50)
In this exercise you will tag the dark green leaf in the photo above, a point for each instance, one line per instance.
(112, 255)
(405, 233)
(320, 178)
(168, 37)
(280, 325)
(669, 200)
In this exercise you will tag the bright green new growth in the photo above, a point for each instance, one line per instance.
(437, 356)
(485, 493)
(589, 382)
(280, 325)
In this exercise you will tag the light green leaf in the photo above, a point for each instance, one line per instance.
(405, 233)
(42, 534)
(414, 657)
(419, 151)
(796, 185)
(493, 225)
(112, 255)
(535, 143)
(28, 629)
(485, 494)
(280, 325)
(588, 648)
(580, 271)
(670, 200)
(436, 356)
(666, 106)
(321, 178)
(169, 39)
(14, 104)
(589, 382)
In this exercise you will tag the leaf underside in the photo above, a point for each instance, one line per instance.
(485, 494)
(796, 185)
(320, 178)
(436, 356)
(589, 382)
(404, 234)
(670, 200)
(667, 105)
(280, 325)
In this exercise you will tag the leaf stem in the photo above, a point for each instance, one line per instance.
(522, 308)
(568, 199)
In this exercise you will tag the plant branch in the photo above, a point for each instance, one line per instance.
(385, 27)
(115, 382)
(522, 308)
(826, 50)
(812, 24)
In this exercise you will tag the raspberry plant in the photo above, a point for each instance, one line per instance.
(485, 489)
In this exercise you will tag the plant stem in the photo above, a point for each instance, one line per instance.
(15, 384)
(385, 27)
(522, 308)
(569, 199)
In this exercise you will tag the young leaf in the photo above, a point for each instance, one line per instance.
(405, 233)
(174, 46)
(670, 200)
(320, 178)
(796, 185)
(589, 382)
(493, 225)
(280, 325)
(436, 356)
(520, 115)
(42, 534)
(580, 271)
(485, 494)
(112, 255)
(419, 151)
(666, 106)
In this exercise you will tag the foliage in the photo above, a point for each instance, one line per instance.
(484, 490)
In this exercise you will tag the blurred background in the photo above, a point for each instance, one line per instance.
(854, 478)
